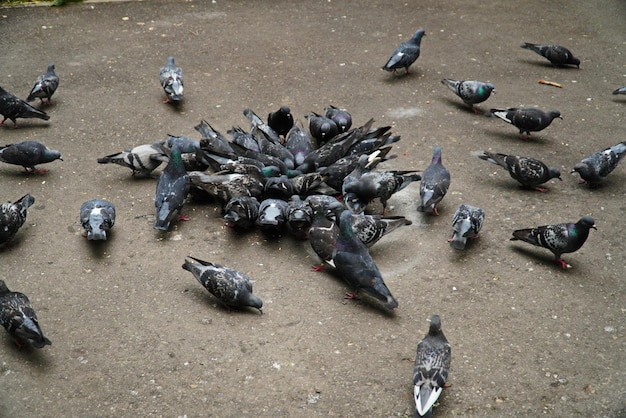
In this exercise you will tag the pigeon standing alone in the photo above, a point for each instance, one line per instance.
(13, 216)
(406, 53)
(434, 184)
(594, 168)
(171, 77)
(18, 317)
(526, 170)
(558, 238)
(45, 86)
(97, 217)
(12, 107)
(466, 223)
(527, 119)
(231, 287)
(471, 92)
(432, 365)
(356, 266)
(28, 154)
(556, 54)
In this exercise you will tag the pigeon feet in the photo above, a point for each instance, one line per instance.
(317, 268)
(562, 263)
(541, 189)
(183, 218)
(351, 295)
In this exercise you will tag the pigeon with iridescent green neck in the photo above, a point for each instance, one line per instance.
(471, 92)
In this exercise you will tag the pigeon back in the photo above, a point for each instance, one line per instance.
(18, 317)
(45, 86)
(13, 216)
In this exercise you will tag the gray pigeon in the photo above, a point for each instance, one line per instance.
(621, 90)
(434, 184)
(18, 317)
(231, 287)
(97, 217)
(13, 216)
(526, 170)
(594, 168)
(171, 191)
(528, 119)
(28, 154)
(341, 117)
(406, 53)
(356, 266)
(432, 365)
(171, 77)
(241, 212)
(466, 223)
(556, 54)
(273, 216)
(45, 86)
(558, 238)
(471, 92)
(142, 159)
(322, 128)
(12, 107)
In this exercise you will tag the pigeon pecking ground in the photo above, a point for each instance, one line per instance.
(135, 335)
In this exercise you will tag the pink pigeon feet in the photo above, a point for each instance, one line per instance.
(562, 263)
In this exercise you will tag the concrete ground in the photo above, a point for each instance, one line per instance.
(134, 334)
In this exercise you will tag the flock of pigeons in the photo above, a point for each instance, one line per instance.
(322, 185)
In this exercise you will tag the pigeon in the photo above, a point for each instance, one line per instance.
(556, 54)
(434, 184)
(299, 217)
(356, 266)
(341, 117)
(272, 216)
(28, 154)
(406, 53)
(171, 191)
(241, 212)
(594, 168)
(299, 144)
(322, 128)
(97, 217)
(231, 287)
(142, 159)
(466, 223)
(281, 121)
(260, 129)
(18, 317)
(12, 107)
(558, 238)
(45, 86)
(526, 170)
(432, 365)
(171, 77)
(324, 230)
(471, 92)
(621, 90)
(13, 216)
(528, 119)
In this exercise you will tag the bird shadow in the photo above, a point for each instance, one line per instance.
(467, 109)
(548, 64)
(21, 126)
(98, 248)
(34, 356)
(515, 137)
(542, 257)
(400, 77)
(214, 303)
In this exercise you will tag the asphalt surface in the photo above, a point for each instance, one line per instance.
(133, 334)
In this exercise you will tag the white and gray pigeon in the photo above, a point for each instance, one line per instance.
(171, 77)
(97, 217)
(142, 159)
(231, 287)
(356, 266)
(558, 238)
(529, 172)
(18, 317)
(431, 368)
(527, 119)
(12, 107)
(471, 92)
(28, 154)
(13, 216)
(171, 191)
(556, 54)
(466, 224)
(621, 90)
(434, 184)
(406, 53)
(45, 86)
(594, 168)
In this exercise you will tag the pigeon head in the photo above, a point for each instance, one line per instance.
(353, 202)
(555, 173)
(555, 114)
(587, 222)
(97, 229)
(255, 302)
(583, 169)
(417, 37)
(435, 325)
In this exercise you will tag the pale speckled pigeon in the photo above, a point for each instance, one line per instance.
(45, 86)
(13, 216)
(594, 168)
(471, 92)
(466, 224)
(529, 172)
(97, 217)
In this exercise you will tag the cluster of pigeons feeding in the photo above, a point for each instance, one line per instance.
(322, 185)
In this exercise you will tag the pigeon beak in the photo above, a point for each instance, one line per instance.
(594, 227)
